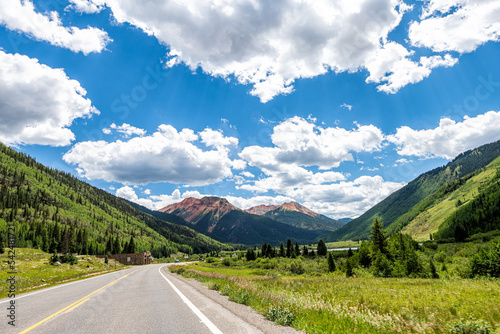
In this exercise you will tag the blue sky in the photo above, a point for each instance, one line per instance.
(331, 104)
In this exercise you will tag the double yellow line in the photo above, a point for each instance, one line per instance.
(75, 304)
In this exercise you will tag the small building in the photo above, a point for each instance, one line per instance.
(131, 259)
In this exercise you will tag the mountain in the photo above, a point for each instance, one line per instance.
(295, 214)
(261, 209)
(470, 204)
(392, 210)
(53, 210)
(221, 220)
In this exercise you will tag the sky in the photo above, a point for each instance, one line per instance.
(333, 104)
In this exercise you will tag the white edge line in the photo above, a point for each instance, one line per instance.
(7, 300)
(193, 308)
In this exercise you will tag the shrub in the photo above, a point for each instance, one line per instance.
(240, 298)
(282, 316)
(209, 260)
(471, 326)
(69, 258)
(297, 267)
(54, 258)
(214, 286)
(226, 262)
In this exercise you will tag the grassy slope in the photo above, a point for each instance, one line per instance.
(441, 207)
(401, 201)
(34, 271)
(83, 206)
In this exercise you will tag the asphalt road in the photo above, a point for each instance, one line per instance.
(144, 299)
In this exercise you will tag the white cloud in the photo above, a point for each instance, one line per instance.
(449, 138)
(456, 25)
(87, 6)
(156, 202)
(247, 203)
(125, 129)
(268, 44)
(302, 143)
(21, 16)
(392, 64)
(347, 106)
(247, 174)
(38, 103)
(216, 139)
(165, 156)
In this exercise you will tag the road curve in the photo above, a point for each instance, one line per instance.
(144, 299)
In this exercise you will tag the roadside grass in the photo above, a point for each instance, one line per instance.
(331, 303)
(33, 270)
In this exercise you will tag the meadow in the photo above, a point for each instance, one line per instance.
(302, 293)
(33, 270)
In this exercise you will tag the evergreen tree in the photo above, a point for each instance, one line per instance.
(321, 248)
(131, 245)
(297, 249)
(379, 239)
(348, 268)
(117, 248)
(2, 246)
(331, 263)
(289, 248)
(434, 273)
(282, 250)
(250, 256)
(363, 254)
(305, 251)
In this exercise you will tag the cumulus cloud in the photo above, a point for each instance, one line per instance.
(392, 64)
(456, 25)
(87, 6)
(38, 103)
(300, 142)
(156, 202)
(269, 44)
(21, 16)
(125, 129)
(449, 138)
(167, 155)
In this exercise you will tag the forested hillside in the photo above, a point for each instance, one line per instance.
(55, 211)
(402, 201)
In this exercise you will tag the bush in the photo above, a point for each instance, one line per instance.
(69, 258)
(214, 286)
(471, 326)
(209, 260)
(226, 262)
(240, 298)
(281, 316)
(297, 267)
(54, 258)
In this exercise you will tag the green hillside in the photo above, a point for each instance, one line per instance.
(53, 210)
(430, 213)
(393, 208)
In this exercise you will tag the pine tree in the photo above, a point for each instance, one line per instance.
(282, 249)
(434, 273)
(379, 239)
(331, 263)
(131, 245)
(321, 248)
(297, 249)
(348, 268)
(305, 251)
(289, 247)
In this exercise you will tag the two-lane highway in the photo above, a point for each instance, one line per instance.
(144, 299)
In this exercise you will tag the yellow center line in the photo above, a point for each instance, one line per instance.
(75, 304)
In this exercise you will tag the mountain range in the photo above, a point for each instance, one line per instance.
(424, 204)
(221, 220)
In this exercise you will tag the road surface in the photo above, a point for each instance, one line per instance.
(143, 299)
